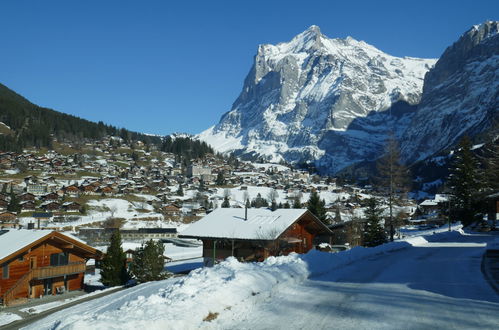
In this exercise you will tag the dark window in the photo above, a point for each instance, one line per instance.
(59, 259)
(5, 271)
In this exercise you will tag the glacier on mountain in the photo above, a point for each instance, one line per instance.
(335, 102)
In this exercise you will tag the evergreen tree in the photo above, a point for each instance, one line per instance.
(202, 186)
(220, 181)
(259, 201)
(148, 262)
(180, 191)
(297, 203)
(465, 183)
(337, 215)
(113, 266)
(374, 234)
(491, 165)
(13, 205)
(286, 205)
(317, 206)
(226, 203)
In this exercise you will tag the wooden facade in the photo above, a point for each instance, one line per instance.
(298, 237)
(53, 264)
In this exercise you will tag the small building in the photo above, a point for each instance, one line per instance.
(27, 206)
(7, 217)
(51, 206)
(255, 234)
(37, 189)
(35, 263)
(71, 206)
(198, 171)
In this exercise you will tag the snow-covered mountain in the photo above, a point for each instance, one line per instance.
(336, 101)
(460, 94)
(316, 98)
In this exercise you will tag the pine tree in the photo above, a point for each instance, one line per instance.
(465, 183)
(491, 165)
(317, 206)
(374, 234)
(297, 203)
(220, 181)
(148, 262)
(13, 205)
(113, 267)
(180, 191)
(226, 203)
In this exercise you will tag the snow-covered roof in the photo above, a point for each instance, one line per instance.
(262, 224)
(15, 239)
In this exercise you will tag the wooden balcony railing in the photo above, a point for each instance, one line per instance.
(54, 271)
(41, 273)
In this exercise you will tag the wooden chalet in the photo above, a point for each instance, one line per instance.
(7, 216)
(255, 234)
(27, 197)
(51, 206)
(72, 191)
(71, 206)
(34, 263)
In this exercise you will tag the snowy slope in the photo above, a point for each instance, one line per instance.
(460, 94)
(424, 282)
(304, 96)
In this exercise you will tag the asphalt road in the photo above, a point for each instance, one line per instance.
(435, 286)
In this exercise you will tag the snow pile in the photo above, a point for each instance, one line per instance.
(6, 318)
(184, 303)
(211, 290)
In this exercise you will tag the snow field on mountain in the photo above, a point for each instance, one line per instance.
(184, 303)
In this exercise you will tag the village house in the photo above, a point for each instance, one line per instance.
(7, 217)
(35, 263)
(255, 234)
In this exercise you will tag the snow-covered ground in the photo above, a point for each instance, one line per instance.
(45, 307)
(172, 251)
(418, 283)
(6, 318)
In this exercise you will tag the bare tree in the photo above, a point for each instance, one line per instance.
(393, 177)
(273, 195)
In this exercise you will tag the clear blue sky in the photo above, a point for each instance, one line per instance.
(177, 66)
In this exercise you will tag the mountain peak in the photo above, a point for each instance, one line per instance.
(308, 40)
(483, 31)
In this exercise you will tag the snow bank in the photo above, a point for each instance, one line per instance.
(211, 290)
(184, 303)
(322, 262)
(6, 318)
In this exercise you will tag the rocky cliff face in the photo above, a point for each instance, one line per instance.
(460, 94)
(335, 101)
(319, 99)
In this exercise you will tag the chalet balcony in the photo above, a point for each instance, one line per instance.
(56, 271)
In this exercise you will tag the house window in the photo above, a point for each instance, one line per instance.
(59, 259)
(5, 271)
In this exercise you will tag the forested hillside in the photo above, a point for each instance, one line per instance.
(34, 126)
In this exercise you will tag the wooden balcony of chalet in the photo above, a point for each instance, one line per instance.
(41, 273)
(56, 271)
